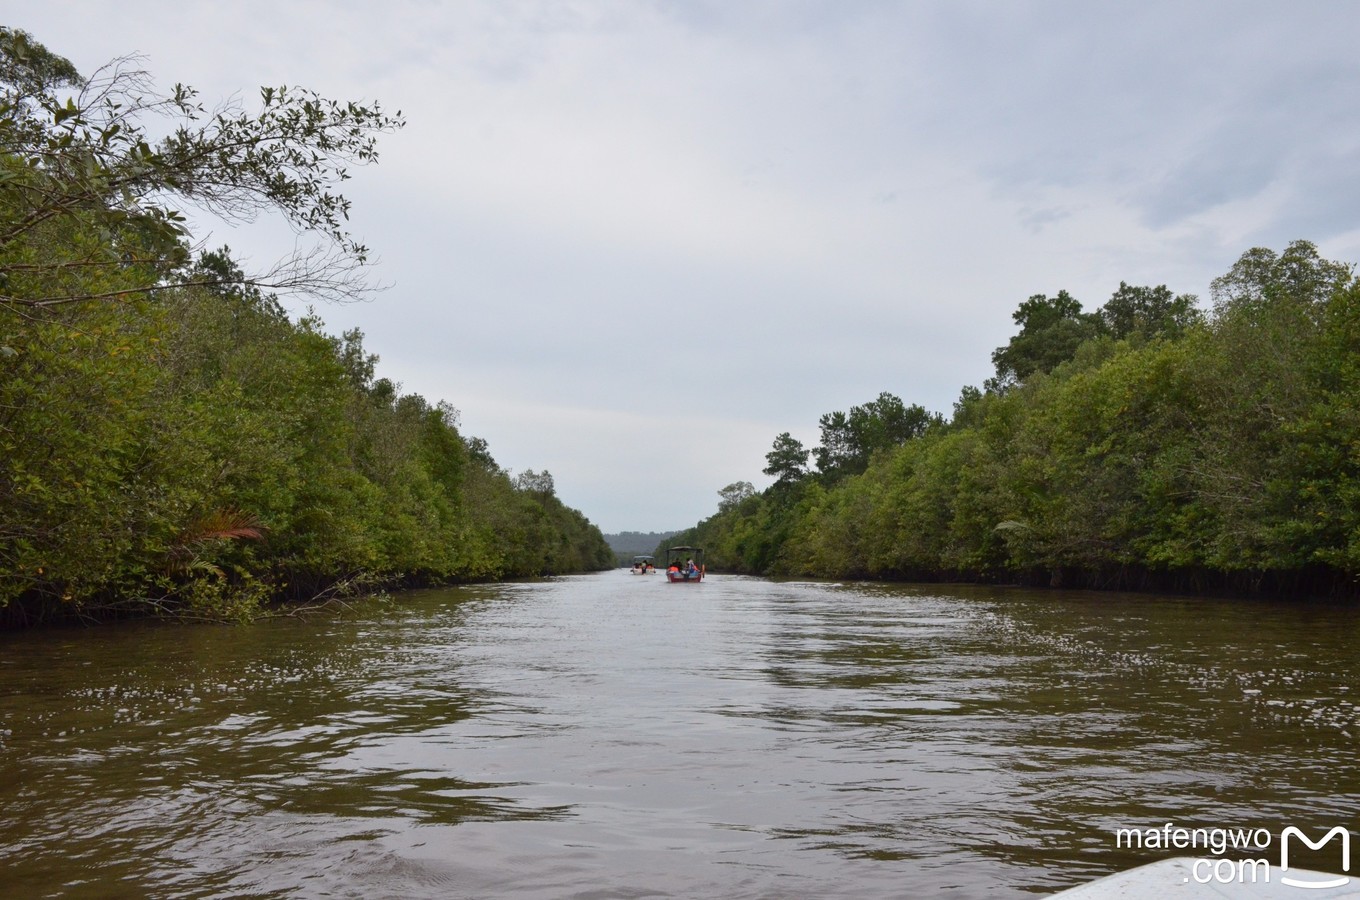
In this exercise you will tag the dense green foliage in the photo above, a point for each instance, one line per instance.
(169, 438)
(1143, 445)
(628, 544)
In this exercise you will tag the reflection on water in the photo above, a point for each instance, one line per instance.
(614, 736)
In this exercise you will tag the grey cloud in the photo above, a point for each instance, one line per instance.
(782, 208)
(1231, 168)
(1322, 200)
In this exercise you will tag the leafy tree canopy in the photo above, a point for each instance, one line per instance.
(733, 495)
(1051, 330)
(190, 449)
(77, 158)
(1148, 311)
(849, 441)
(536, 482)
(787, 461)
(1176, 452)
(1261, 277)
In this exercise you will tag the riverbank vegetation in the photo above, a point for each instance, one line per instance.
(1146, 445)
(170, 439)
(628, 544)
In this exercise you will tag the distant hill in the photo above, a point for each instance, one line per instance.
(627, 544)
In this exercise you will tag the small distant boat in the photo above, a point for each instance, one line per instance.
(684, 564)
(643, 565)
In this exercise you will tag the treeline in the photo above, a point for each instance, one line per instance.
(1146, 445)
(627, 544)
(170, 440)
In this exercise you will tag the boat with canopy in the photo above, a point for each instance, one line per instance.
(684, 565)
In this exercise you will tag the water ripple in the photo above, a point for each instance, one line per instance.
(618, 737)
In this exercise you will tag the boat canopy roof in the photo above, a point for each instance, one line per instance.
(641, 558)
(684, 549)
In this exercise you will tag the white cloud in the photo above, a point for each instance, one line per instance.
(756, 213)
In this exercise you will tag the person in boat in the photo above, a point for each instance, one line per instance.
(690, 569)
(674, 567)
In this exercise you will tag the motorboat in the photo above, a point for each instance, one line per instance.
(684, 565)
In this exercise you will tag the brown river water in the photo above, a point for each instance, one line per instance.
(614, 736)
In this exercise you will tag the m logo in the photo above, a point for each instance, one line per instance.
(1291, 831)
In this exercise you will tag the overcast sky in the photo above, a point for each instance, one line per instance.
(634, 241)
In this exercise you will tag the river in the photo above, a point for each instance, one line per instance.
(614, 736)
